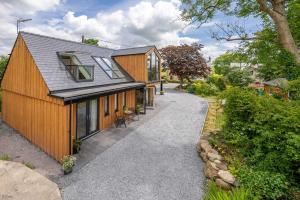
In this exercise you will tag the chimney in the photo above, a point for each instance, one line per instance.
(82, 38)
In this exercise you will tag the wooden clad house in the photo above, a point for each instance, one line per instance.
(54, 90)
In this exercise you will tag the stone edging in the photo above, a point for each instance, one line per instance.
(215, 167)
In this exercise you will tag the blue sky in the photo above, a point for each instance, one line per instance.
(117, 24)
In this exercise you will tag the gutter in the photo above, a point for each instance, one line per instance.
(68, 100)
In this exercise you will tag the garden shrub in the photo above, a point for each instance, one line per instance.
(218, 80)
(238, 77)
(294, 89)
(202, 88)
(266, 131)
(263, 184)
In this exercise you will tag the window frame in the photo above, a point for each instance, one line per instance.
(106, 105)
(75, 74)
(110, 69)
(116, 102)
(124, 99)
(153, 77)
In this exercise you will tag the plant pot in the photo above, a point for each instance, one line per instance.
(66, 172)
(162, 92)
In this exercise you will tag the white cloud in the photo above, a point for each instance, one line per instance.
(218, 48)
(11, 10)
(145, 23)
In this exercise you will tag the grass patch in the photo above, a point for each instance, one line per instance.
(216, 193)
(5, 157)
(29, 165)
(215, 118)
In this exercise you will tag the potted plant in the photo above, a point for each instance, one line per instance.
(67, 164)
(76, 146)
(162, 92)
(138, 109)
(124, 108)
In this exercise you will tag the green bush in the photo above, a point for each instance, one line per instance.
(202, 88)
(266, 131)
(216, 193)
(263, 184)
(238, 77)
(218, 81)
(294, 89)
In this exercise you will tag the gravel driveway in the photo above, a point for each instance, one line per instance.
(158, 160)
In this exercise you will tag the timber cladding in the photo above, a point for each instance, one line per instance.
(26, 106)
(135, 65)
(44, 120)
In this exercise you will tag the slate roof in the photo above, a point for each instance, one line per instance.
(132, 51)
(44, 52)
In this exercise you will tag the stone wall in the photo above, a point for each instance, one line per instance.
(215, 167)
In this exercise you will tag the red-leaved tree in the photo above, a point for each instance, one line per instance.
(185, 61)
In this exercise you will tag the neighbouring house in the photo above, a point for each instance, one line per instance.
(54, 90)
(276, 87)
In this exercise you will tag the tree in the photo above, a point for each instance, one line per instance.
(91, 41)
(221, 64)
(204, 10)
(185, 62)
(3, 63)
(239, 77)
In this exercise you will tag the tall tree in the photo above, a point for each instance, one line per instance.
(3, 63)
(185, 61)
(203, 10)
(91, 41)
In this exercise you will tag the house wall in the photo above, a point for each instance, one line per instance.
(107, 121)
(134, 65)
(26, 106)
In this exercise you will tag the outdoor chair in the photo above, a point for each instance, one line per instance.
(120, 120)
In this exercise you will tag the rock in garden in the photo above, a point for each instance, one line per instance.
(220, 165)
(212, 151)
(222, 184)
(226, 176)
(205, 146)
(203, 156)
(210, 172)
(213, 165)
(213, 156)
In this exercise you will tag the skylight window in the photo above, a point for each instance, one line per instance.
(110, 67)
(78, 71)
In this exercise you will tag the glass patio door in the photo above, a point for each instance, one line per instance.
(87, 118)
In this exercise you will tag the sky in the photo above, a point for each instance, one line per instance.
(116, 23)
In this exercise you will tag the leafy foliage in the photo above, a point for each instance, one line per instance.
(91, 41)
(294, 89)
(202, 88)
(185, 61)
(3, 63)
(263, 184)
(218, 80)
(216, 193)
(239, 77)
(266, 131)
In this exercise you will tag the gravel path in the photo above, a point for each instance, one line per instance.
(157, 161)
